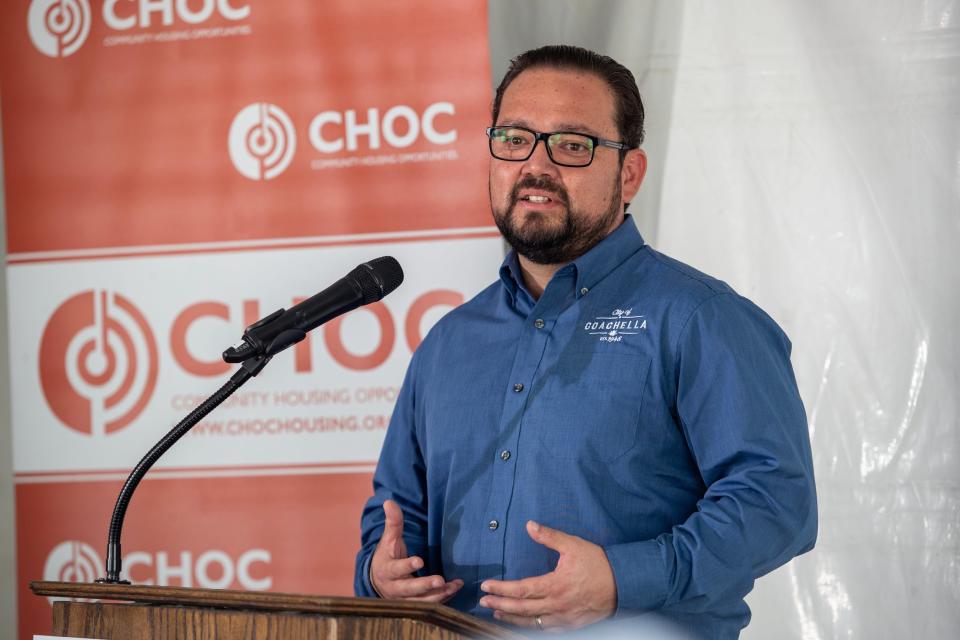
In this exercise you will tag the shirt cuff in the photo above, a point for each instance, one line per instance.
(641, 576)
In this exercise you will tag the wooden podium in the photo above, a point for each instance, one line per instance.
(125, 611)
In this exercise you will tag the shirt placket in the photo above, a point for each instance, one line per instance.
(538, 325)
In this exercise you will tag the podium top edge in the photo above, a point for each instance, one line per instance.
(437, 614)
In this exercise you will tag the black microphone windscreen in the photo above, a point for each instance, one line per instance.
(378, 277)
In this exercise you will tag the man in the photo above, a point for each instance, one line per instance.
(603, 431)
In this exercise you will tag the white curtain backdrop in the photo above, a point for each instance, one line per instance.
(808, 153)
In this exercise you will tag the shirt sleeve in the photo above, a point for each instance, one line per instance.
(740, 411)
(400, 476)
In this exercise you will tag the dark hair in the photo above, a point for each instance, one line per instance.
(629, 106)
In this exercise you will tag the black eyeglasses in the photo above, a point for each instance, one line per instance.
(565, 148)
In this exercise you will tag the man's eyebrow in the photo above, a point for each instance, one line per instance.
(574, 127)
(514, 123)
(578, 128)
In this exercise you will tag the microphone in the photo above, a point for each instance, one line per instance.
(368, 282)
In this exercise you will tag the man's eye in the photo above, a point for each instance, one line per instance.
(516, 141)
(574, 147)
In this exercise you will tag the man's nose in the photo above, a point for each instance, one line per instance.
(539, 161)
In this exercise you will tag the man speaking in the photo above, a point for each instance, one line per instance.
(604, 430)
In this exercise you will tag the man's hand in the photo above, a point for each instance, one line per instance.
(391, 570)
(579, 591)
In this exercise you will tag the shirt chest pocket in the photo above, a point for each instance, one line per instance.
(588, 405)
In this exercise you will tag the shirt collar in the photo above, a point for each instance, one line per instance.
(512, 277)
(591, 267)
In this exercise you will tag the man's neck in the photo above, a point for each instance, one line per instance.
(536, 276)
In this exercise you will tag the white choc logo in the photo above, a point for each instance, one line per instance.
(261, 141)
(212, 569)
(58, 27)
(142, 13)
(72, 561)
(400, 127)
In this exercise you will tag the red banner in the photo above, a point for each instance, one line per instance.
(176, 169)
(292, 533)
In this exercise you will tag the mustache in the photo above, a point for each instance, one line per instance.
(542, 183)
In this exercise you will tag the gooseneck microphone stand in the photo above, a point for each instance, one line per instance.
(262, 340)
(248, 368)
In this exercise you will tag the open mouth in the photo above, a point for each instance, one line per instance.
(536, 199)
(539, 193)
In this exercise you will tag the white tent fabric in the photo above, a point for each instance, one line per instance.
(808, 153)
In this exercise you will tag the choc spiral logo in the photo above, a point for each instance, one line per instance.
(72, 561)
(98, 362)
(58, 27)
(262, 141)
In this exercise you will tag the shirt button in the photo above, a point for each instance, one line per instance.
(504, 455)
(538, 323)
(518, 387)
(494, 525)
(583, 291)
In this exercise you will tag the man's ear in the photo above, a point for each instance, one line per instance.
(631, 173)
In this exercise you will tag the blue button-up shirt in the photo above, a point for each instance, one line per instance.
(638, 404)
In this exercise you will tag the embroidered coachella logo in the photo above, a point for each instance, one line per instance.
(262, 141)
(98, 362)
(612, 328)
(58, 27)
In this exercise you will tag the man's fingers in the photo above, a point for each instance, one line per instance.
(443, 594)
(516, 606)
(551, 538)
(396, 569)
(529, 622)
(535, 587)
(415, 587)
(392, 538)
(452, 587)
(394, 518)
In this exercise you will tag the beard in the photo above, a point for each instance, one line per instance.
(544, 241)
